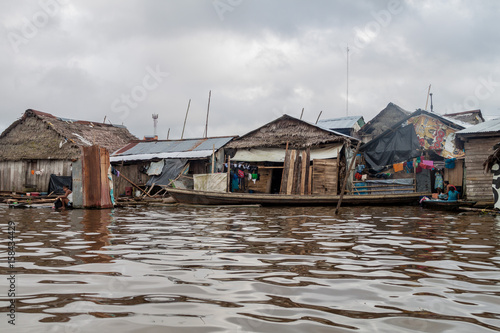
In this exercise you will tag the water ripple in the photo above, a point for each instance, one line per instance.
(385, 269)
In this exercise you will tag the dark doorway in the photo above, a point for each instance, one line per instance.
(276, 180)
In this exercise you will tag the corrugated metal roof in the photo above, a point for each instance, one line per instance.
(343, 122)
(188, 148)
(491, 126)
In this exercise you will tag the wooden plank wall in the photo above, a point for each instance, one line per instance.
(132, 172)
(325, 176)
(295, 179)
(456, 175)
(14, 175)
(477, 181)
(263, 185)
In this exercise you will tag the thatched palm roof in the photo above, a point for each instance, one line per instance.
(384, 120)
(286, 129)
(40, 135)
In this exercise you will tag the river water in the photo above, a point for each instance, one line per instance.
(298, 269)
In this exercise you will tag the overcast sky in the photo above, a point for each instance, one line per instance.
(125, 60)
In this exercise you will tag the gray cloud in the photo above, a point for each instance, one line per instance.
(260, 59)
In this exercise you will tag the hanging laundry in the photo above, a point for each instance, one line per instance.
(398, 167)
(428, 164)
(450, 163)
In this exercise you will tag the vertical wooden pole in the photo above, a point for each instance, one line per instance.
(185, 119)
(283, 174)
(228, 173)
(297, 173)
(348, 172)
(319, 116)
(291, 169)
(208, 111)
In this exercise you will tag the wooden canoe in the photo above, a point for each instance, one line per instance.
(447, 205)
(224, 198)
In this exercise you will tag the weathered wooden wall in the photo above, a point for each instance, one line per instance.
(456, 175)
(477, 181)
(296, 171)
(263, 185)
(15, 175)
(132, 172)
(325, 176)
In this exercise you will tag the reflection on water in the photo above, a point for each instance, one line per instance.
(183, 269)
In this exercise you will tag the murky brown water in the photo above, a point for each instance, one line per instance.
(182, 269)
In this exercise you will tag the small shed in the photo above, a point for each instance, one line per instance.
(478, 142)
(472, 117)
(40, 144)
(289, 156)
(158, 162)
(349, 125)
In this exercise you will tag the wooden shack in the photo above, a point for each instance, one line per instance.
(40, 144)
(288, 156)
(478, 142)
(135, 161)
(422, 137)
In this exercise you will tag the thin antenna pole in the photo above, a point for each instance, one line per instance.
(168, 133)
(347, 84)
(208, 111)
(427, 101)
(302, 113)
(185, 118)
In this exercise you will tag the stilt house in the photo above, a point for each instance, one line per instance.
(288, 156)
(426, 142)
(479, 142)
(158, 162)
(40, 144)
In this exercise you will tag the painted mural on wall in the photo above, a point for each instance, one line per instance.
(434, 135)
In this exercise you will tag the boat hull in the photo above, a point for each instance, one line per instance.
(447, 205)
(222, 198)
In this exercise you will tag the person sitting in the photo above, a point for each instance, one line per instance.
(440, 194)
(453, 194)
(66, 199)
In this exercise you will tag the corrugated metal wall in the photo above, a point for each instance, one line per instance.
(95, 165)
(15, 175)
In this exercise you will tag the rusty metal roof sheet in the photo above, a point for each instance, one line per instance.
(187, 148)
